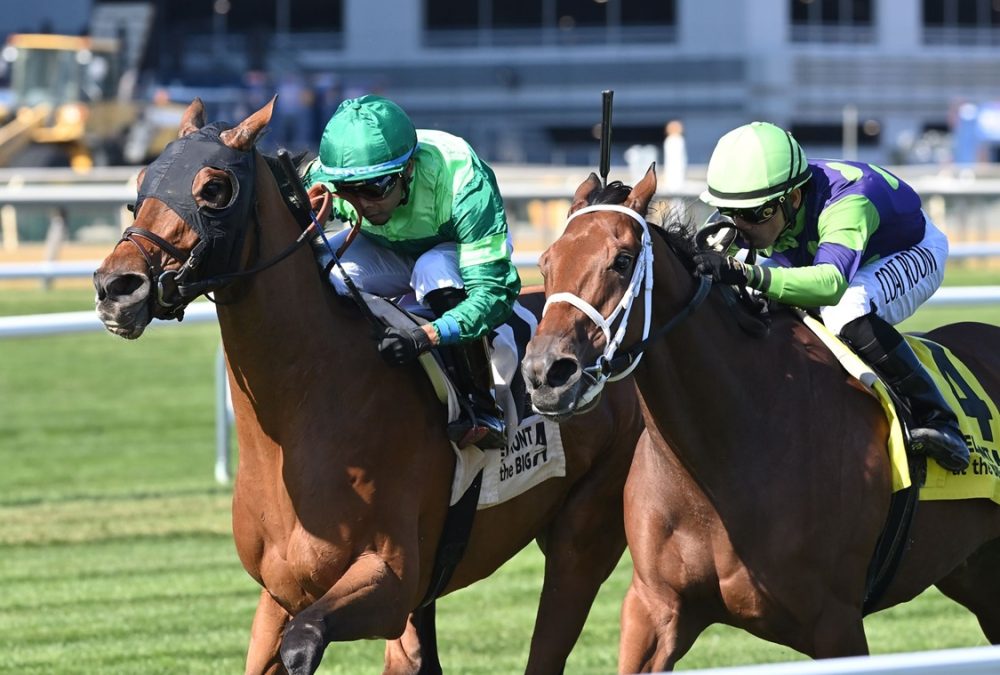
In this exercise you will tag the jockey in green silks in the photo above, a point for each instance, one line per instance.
(848, 238)
(432, 227)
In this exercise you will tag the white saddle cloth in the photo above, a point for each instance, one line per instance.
(534, 451)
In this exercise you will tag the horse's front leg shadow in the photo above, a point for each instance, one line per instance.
(367, 602)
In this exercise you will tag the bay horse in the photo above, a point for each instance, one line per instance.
(760, 487)
(344, 464)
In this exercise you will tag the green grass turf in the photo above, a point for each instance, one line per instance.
(115, 549)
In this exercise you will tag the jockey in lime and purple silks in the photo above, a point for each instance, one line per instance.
(432, 225)
(846, 237)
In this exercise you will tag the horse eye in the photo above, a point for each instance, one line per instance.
(622, 263)
(211, 191)
(216, 194)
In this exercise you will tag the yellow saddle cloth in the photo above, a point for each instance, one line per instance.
(977, 417)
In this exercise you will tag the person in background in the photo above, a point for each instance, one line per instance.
(848, 238)
(432, 222)
(675, 157)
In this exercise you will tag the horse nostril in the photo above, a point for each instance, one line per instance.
(118, 285)
(99, 286)
(561, 371)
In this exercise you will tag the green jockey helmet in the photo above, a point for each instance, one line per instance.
(753, 164)
(366, 138)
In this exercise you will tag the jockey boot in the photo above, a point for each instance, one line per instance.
(480, 423)
(935, 431)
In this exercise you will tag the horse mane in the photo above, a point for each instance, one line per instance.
(680, 238)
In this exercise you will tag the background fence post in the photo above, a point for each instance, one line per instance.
(223, 420)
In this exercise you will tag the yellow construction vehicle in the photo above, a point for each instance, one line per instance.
(70, 102)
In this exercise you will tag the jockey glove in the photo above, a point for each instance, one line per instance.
(730, 271)
(399, 346)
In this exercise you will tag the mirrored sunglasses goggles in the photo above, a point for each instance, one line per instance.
(373, 189)
(760, 214)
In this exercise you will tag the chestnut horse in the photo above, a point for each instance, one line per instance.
(756, 497)
(344, 465)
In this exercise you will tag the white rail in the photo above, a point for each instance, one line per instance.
(71, 322)
(968, 661)
(71, 269)
(85, 268)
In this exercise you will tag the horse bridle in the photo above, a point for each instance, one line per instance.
(221, 231)
(611, 366)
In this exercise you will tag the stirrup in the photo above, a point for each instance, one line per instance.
(486, 433)
(942, 444)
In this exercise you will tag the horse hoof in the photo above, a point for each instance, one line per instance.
(302, 648)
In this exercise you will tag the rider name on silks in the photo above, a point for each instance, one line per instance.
(902, 272)
(528, 450)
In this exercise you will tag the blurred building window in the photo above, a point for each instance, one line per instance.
(965, 22)
(313, 16)
(647, 12)
(499, 22)
(578, 14)
(241, 15)
(808, 134)
(254, 15)
(451, 14)
(832, 20)
(961, 12)
(194, 16)
(517, 14)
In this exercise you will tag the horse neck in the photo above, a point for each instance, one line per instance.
(305, 374)
(282, 322)
(700, 373)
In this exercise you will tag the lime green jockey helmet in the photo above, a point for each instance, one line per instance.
(366, 138)
(753, 164)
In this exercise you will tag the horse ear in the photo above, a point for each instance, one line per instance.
(194, 118)
(583, 192)
(638, 199)
(244, 135)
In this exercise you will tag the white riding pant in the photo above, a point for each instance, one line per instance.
(894, 286)
(383, 272)
(388, 274)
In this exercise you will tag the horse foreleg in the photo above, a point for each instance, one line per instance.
(265, 637)
(415, 652)
(581, 550)
(838, 632)
(974, 585)
(655, 631)
(368, 601)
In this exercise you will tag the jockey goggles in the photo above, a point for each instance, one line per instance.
(757, 215)
(374, 189)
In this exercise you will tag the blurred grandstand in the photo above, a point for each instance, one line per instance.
(911, 85)
(882, 80)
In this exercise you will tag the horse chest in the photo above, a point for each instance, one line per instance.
(279, 551)
(300, 569)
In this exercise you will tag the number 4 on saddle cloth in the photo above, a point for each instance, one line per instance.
(534, 451)
(977, 418)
